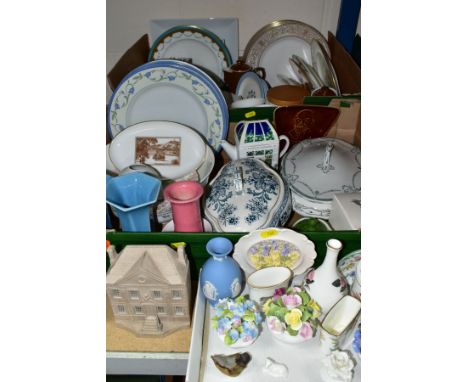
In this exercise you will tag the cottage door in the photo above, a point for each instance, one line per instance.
(152, 324)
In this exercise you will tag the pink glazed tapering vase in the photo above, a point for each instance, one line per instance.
(184, 197)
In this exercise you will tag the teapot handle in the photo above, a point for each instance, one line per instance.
(260, 72)
(286, 145)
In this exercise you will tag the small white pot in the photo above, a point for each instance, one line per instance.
(262, 283)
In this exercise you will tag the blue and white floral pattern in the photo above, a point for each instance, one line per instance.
(256, 206)
(180, 75)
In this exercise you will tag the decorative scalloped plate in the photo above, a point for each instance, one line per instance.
(200, 45)
(304, 245)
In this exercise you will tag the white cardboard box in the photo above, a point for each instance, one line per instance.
(346, 211)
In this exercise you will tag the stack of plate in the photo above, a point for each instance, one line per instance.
(194, 44)
(292, 53)
(272, 46)
(316, 169)
(170, 90)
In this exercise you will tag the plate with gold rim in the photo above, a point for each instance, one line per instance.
(273, 45)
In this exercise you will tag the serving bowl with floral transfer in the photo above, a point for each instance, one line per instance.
(246, 195)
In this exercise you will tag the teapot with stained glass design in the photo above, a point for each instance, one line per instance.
(256, 139)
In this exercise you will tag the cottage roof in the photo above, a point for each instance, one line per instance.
(159, 260)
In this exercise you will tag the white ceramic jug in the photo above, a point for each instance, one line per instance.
(324, 284)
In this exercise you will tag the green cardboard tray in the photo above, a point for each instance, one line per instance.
(196, 242)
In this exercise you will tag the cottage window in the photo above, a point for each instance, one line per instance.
(179, 311)
(134, 294)
(176, 294)
(116, 293)
(121, 309)
(157, 294)
(138, 309)
(161, 310)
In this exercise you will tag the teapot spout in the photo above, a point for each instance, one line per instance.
(230, 150)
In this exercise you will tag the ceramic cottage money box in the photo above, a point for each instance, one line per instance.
(256, 139)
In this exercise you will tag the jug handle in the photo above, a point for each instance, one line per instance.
(286, 144)
(260, 72)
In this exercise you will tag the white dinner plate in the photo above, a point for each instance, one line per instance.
(273, 45)
(173, 149)
(200, 45)
(170, 90)
(227, 29)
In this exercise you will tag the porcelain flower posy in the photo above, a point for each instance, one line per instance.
(339, 366)
(237, 320)
(292, 311)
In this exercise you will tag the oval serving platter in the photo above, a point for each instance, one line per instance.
(173, 149)
(170, 90)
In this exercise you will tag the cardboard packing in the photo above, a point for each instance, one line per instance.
(347, 126)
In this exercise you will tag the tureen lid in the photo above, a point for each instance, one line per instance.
(318, 168)
(244, 195)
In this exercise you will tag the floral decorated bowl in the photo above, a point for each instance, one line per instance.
(291, 315)
(246, 195)
(237, 321)
(273, 247)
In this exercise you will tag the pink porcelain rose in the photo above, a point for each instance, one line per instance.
(291, 301)
(306, 330)
(274, 324)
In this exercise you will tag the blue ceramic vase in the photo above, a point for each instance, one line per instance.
(132, 196)
(220, 276)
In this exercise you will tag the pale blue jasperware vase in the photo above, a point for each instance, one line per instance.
(220, 276)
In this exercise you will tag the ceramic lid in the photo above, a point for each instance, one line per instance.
(244, 195)
(286, 95)
(318, 168)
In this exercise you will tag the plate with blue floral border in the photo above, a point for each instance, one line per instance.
(170, 90)
(347, 265)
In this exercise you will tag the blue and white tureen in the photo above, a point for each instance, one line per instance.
(247, 195)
